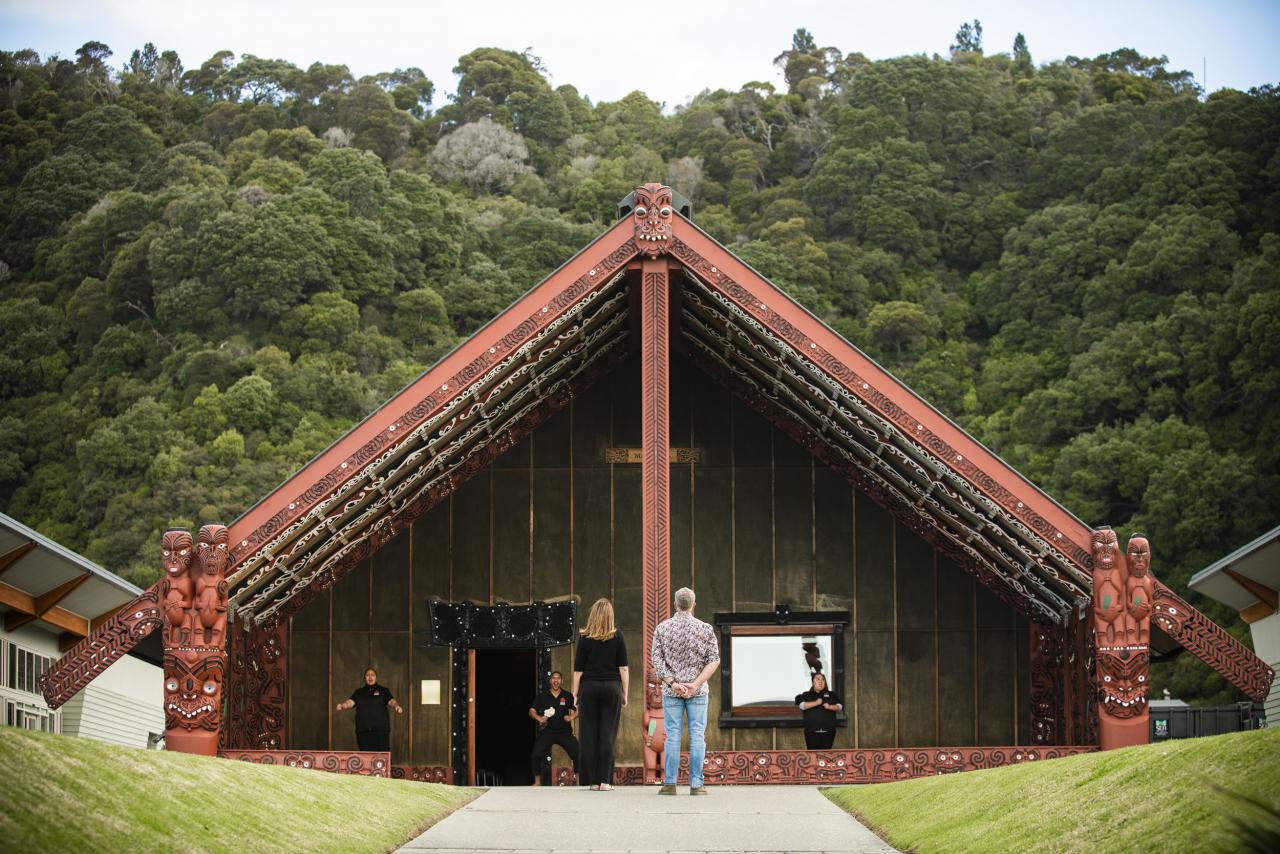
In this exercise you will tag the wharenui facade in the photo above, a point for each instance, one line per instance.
(656, 414)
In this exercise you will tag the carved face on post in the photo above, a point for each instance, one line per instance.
(652, 216)
(175, 552)
(193, 693)
(1139, 555)
(652, 690)
(213, 549)
(1105, 548)
(1123, 682)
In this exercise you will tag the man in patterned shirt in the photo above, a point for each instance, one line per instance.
(684, 655)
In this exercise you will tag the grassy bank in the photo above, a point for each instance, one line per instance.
(1156, 797)
(67, 794)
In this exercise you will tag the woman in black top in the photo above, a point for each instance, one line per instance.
(820, 705)
(600, 684)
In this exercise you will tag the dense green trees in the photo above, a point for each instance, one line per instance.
(207, 274)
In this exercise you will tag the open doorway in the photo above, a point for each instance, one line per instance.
(506, 681)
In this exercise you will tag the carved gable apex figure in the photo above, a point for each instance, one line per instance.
(652, 215)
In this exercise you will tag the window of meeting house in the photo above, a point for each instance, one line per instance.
(769, 658)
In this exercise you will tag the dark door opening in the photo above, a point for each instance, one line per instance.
(506, 681)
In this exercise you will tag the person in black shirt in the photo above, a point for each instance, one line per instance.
(371, 701)
(600, 670)
(554, 711)
(820, 705)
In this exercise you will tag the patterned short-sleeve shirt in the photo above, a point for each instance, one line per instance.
(682, 646)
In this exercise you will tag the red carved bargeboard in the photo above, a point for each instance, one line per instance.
(423, 773)
(1211, 643)
(808, 767)
(104, 646)
(366, 763)
(255, 716)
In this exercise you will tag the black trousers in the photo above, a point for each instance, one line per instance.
(374, 739)
(818, 739)
(540, 756)
(599, 709)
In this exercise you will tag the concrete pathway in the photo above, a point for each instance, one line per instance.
(637, 819)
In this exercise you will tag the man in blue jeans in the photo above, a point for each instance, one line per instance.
(684, 655)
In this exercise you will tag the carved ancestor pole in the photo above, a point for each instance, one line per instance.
(1122, 596)
(652, 214)
(193, 599)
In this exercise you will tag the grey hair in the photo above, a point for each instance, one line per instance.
(684, 599)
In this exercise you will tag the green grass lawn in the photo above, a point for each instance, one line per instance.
(1157, 797)
(72, 794)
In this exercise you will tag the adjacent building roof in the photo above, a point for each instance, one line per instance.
(1248, 576)
(46, 584)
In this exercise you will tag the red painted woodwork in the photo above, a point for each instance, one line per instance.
(655, 418)
(586, 271)
(256, 688)
(1211, 643)
(1121, 625)
(1046, 696)
(194, 593)
(104, 646)
(809, 767)
(724, 273)
(363, 763)
(423, 773)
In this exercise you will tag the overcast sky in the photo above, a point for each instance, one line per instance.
(670, 51)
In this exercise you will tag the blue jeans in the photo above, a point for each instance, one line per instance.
(673, 711)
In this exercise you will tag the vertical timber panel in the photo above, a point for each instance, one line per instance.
(551, 479)
(713, 521)
(682, 475)
(916, 661)
(389, 651)
(510, 534)
(833, 539)
(308, 708)
(753, 531)
(470, 568)
(997, 668)
(389, 583)
(955, 655)
(876, 709)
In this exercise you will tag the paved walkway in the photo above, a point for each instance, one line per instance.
(637, 819)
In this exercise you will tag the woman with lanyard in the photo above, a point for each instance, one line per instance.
(820, 705)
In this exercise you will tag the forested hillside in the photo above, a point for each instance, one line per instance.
(208, 274)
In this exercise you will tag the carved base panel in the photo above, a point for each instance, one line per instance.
(422, 773)
(809, 767)
(364, 763)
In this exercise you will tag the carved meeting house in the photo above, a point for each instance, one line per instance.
(653, 415)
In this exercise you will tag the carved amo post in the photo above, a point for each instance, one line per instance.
(193, 597)
(1122, 595)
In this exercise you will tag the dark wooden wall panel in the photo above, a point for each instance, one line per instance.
(793, 532)
(957, 721)
(552, 442)
(351, 600)
(471, 539)
(390, 651)
(350, 656)
(997, 669)
(877, 717)
(552, 558)
(389, 586)
(430, 565)
(917, 658)
(430, 724)
(510, 534)
(627, 547)
(1022, 706)
(309, 705)
(314, 617)
(833, 566)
